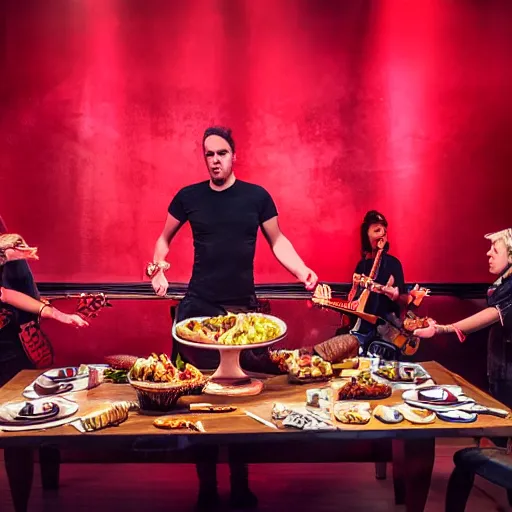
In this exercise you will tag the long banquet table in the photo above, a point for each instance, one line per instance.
(410, 447)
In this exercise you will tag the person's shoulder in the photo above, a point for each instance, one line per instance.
(192, 189)
(393, 259)
(253, 188)
(360, 265)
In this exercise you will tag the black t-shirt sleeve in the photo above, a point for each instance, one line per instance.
(177, 207)
(267, 208)
(359, 267)
(398, 274)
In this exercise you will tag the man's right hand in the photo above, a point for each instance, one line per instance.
(160, 284)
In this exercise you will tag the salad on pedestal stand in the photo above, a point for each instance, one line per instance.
(230, 335)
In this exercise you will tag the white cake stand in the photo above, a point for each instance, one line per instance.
(230, 379)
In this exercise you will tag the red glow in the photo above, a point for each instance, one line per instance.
(337, 107)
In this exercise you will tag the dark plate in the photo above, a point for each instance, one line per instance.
(309, 380)
(54, 411)
(46, 387)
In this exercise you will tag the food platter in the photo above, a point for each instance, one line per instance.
(402, 375)
(363, 387)
(159, 384)
(229, 378)
(225, 346)
(302, 368)
(402, 372)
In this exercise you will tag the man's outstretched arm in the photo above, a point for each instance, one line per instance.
(286, 254)
(159, 281)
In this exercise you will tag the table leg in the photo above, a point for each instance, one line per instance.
(381, 451)
(381, 470)
(398, 472)
(414, 464)
(49, 462)
(19, 466)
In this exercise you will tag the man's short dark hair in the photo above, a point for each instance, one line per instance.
(220, 131)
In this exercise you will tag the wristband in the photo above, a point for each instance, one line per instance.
(459, 334)
(43, 305)
(153, 268)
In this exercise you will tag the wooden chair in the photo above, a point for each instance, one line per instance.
(493, 464)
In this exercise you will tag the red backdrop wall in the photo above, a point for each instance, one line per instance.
(337, 107)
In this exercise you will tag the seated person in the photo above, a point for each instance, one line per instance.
(386, 301)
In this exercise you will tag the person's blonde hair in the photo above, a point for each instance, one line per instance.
(506, 236)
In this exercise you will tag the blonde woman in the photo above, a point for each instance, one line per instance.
(498, 313)
(16, 304)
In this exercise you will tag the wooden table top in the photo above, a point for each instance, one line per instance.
(237, 426)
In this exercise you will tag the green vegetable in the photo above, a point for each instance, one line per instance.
(180, 364)
(116, 376)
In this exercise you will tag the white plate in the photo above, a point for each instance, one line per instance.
(411, 398)
(53, 374)
(456, 416)
(215, 346)
(78, 385)
(11, 409)
(419, 372)
(408, 413)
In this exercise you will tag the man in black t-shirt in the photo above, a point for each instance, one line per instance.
(224, 226)
(225, 214)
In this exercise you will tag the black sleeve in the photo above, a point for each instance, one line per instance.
(267, 208)
(17, 276)
(398, 274)
(506, 318)
(177, 207)
(359, 268)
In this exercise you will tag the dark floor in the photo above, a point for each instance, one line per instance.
(316, 488)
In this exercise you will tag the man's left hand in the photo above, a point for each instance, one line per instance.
(309, 278)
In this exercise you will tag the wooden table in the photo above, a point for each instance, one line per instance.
(410, 447)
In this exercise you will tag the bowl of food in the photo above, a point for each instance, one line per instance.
(159, 384)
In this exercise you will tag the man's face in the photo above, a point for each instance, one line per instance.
(219, 159)
(378, 236)
(498, 257)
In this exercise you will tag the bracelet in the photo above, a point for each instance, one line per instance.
(442, 329)
(43, 305)
(153, 268)
(459, 334)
